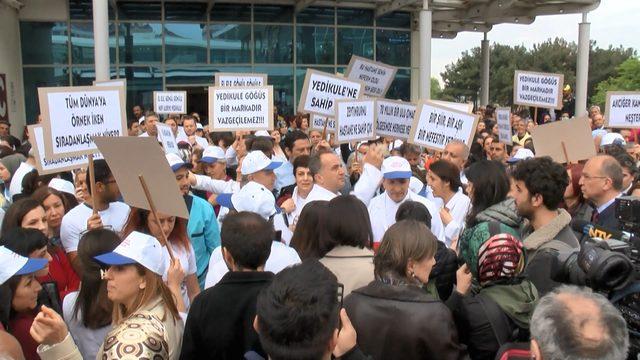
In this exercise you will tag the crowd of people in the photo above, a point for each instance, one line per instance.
(300, 248)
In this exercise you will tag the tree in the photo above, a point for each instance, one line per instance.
(462, 78)
(627, 78)
(436, 90)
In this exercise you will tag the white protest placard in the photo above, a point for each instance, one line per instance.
(321, 90)
(317, 123)
(355, 120)
(538, 89)
(240, 108)
(73, 116)
(44, 165)
(464, 107)
(170, 102)
(376, 76)
(394, 118)
(240, 79)
(622, 109)
(112, 82)
(503, 118)
(167, 139)
(434, 126)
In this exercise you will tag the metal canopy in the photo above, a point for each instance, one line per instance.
(449, 16)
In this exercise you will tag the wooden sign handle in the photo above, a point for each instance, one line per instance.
(92, 183)
(324, 129)
(535, 115)
(564, 151)
(147, 194)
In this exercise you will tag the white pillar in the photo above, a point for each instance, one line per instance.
(484, 72)
(582, 71)
(101, 39)
(425, 51)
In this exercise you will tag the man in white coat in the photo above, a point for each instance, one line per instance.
(396, 173)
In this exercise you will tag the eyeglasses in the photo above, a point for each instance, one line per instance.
(589, 177)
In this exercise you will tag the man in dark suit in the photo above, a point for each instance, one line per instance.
(601, 183)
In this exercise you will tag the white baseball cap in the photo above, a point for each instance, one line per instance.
(262, 133)
(212, 154)
(14, 264)
(176, 162)
(137, 248)
(252, 197)
(415, 184)
(257, 161)
(62, 186)
(141, 120)
(199, 126)
(611, 139)
(396, 167)
(521, 154)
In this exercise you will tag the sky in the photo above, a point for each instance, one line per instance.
(614, 22)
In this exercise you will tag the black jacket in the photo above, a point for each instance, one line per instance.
(402, 322)
(607, 218)
(443, 274)
(220, 321)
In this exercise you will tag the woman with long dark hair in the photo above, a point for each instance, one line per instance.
(309, 228)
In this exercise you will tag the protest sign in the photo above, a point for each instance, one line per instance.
(355, 120)
(72, 116)
(503, 118)
(112, 82)
(321, 90)
(317, 123)
(240, 108)
(434, 126)
(566, 141)
(167, 139)
(170, 102)
(376, 76)
(394, 118)
(44, 165)
(538, 89)
(622, 109)
(129, 157)
(464, 107)
(240, 79)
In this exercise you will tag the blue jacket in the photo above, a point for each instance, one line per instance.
(203, 232)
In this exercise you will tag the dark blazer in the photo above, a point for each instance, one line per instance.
(220, 321)
(607, 218)
(402, 322)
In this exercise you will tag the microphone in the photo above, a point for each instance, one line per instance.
(597, 231)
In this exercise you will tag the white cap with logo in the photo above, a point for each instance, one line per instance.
(14, 264)
(137, 248)
(253, 197)
(176, 162)
(521, 154)
(396, 167)
(212, 154)
(257, 161)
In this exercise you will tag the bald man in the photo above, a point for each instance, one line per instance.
(601, 184)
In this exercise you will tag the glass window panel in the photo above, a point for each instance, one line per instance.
(353, 41)
(317, 15)
(139, 10)
(273, 44)
(83, 10)
(230, 43)
(84, 75)
(400, 88)
(231, 12)
(140, 42)
(281, 77)
(82, 43)
(341, 69)
(201, 75)
(315, 45)
(185, 44)
(183, 11)
(273, 13)
(300, 74)
(396, 19)
(393, 47)
(358, 17)
(44, 43)
(41, 77)
(142, 81)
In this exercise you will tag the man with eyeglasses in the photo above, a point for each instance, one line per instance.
(601, 184)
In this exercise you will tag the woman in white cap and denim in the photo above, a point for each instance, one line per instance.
(146, 323)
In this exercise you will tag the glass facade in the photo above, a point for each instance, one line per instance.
(160, 45)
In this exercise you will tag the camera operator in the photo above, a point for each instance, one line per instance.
(539, 190)
(601, 183)
(575, 323)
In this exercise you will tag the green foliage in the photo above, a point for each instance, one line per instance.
(462, 78)
(436, 89)
(626, 78)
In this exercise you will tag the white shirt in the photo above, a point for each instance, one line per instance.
(87, 340)
(368, 183)
(300, 202)
(215, 186)
(15, 186)
(231, 156)
(202, 142)
(281, 257)
(458, 207)
(74, 223)
(320, 193)
(188, 263)
(382, 213)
